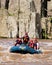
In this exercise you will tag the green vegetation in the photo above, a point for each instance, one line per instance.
(51, 20)
(10, 14)
(44, 35)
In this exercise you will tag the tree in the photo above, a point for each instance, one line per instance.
(18, 17)
(7, 4)
(43, 8)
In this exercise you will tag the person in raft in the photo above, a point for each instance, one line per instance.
(31, 44)
(26, 39)
(36, 44)
(18, 41)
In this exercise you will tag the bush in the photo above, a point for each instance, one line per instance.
(44, 36)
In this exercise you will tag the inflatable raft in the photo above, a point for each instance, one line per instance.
(23, 49)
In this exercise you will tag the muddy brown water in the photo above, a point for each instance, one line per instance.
(7, 58)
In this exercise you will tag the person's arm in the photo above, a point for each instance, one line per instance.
(37, 46)
(15, 42)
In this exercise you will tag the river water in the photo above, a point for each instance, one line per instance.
(7, 58)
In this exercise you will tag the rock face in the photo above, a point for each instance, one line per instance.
(50, 8)
(3, 27)
(22, 12)
(12, 26)
(2, 3)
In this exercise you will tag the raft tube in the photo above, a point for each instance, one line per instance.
(23, 49)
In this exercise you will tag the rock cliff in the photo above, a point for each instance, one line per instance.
(18, 16)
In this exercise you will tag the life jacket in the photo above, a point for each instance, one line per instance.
(31, 44)
(36, 45)
(25, 39)
(18, 41)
